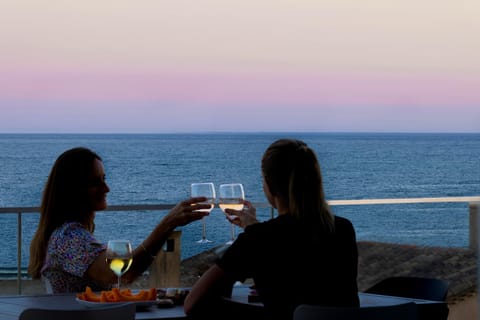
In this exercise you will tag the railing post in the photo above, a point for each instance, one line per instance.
(19, 253)
(165, 269)
(475, 237)
(474, 227)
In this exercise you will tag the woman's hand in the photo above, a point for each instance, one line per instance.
(187, 211)
(244, 217)
(182, 214)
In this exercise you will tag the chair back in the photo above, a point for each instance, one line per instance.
(405, 311)
(412, 287)
(124, 311)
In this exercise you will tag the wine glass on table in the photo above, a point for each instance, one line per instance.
(119, 257)
(204, 189)
(231, 196)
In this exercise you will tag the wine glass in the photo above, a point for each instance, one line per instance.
(119, 257)
(231, 196)
(204, 189)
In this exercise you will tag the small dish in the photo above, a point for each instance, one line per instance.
(177, 295)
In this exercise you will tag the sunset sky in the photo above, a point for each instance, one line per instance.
(239, 65)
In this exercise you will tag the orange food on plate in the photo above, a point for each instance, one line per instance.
(152, 294)
(89, 295)
(116, 295)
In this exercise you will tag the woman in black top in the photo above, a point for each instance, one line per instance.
(304, 255)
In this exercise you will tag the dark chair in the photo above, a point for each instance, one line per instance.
(123, 311)
(405, 311)
(412, 287)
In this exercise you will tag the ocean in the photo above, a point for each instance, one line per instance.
(158, 168)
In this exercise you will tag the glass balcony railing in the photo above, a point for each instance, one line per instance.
(472, 201)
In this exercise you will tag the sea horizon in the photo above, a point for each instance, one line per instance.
(236, 132)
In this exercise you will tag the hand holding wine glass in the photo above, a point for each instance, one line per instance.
(244, 217)
(119, 257)
(231, 196)
(207, 190)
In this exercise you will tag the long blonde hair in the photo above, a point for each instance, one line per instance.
(64, 199)
(291, 170)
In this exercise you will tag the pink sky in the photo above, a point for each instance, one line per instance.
(265, 65)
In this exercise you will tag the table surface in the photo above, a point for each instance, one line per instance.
(12, 306)
(240, 295)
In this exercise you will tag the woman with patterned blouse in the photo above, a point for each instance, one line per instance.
(64, 250)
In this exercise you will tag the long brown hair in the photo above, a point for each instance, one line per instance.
(291, 170)
(64, 199)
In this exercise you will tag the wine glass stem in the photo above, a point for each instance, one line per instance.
(233, 232)
(204, 229)
(118, 283)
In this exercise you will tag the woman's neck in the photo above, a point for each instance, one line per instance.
(281, 205)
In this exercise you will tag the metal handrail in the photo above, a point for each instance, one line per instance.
(147, 207)
(473, 201)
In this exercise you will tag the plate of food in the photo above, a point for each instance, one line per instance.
(141, 298)
(138, 304)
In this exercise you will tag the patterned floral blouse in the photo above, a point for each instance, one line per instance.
(71, 250)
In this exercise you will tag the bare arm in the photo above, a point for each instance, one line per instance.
(182, 214)
(213, 284)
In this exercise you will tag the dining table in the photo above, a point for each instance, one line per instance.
(12, 306)
(427, 309)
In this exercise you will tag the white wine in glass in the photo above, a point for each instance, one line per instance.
(119, 257)
(204, 189)
(231, 196)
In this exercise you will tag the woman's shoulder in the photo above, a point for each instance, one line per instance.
(70, 227)
(342, 221)
(344, 226)
(73, 234)
(70, 230)
(272, 226)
